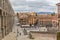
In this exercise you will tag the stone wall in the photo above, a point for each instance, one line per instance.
(6, 17)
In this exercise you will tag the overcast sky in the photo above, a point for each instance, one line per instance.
(35, 5)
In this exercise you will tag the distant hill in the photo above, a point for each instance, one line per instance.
(44, 12)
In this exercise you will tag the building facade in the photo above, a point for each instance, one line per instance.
(27, 18)
(47, 21)
(6, 18)
(32, 19)
(23, 19)
(58, 16)
(50, 23)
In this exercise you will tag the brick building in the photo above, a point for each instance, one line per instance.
(32, 19)
(49, 22)
(23, 19)
(6, 18)
(42, 18)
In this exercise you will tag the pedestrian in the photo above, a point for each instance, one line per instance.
(20, 33)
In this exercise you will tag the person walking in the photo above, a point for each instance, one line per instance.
(20, 33)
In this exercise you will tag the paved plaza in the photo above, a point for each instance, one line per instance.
(18, 30)
(15, 34)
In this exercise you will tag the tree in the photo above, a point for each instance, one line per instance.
(17, 14)
(36, 23)
(53, 14)
(36, 14)
(58, 36)
(30, 25)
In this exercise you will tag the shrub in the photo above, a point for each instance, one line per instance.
(58, 36)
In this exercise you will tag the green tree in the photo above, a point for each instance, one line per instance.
(58, 36)
(53, 14)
